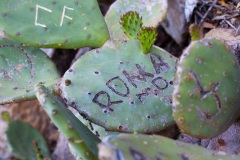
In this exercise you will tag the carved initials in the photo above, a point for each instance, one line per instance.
(204, 94)
(49, 10)
(141, 77)
(145, 92)
(114, 90)
(106, 106)
(36, 15)
(158, 81)
(63, 14)
(159, 63)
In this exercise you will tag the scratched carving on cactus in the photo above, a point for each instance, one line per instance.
(50, 11)
(21, 65)
(204, 94)
(157, 81)
(13, 4)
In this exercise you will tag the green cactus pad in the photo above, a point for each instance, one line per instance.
(152, 11)
(147, 36)
(21, 69)
(20, 138)
(54, 24)
(206, 93)
(121, 89)
(82, 141)
(96, 129)
(131, 23)
(144, 147)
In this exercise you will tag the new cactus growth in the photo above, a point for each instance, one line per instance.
(153, 12)
(59, 24)
(122, 89)
(206, 93)
(145, 147)
(131, 23)
(21, 69)
(20, 138)
(147, 37)
(82, 141)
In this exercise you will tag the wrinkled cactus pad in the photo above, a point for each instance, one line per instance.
(82, 141)
(152, 12)
(21, 69)
(144, 147)
(58, 24)
(21, 138)
(147, 36)
(131, 23)
(206, 93)
(121, 89)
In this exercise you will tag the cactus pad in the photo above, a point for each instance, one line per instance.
(96, 129)
(20, 138)
(82, 141)
(58, 24)
(152, 11)
(21, 69)
(131, 23)
(206, 93)
(144, 147)
(121, 89)
(147, 36)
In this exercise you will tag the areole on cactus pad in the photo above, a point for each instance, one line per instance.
(122, 89)
(206, 92)
(58, 24)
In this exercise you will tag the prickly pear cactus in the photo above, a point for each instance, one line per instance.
(22, 68)
(21, 138)
(152, 11)
(82, 141)
(121, 89)
(59, 24)
(144, 147)
(131, 23)
(147, 37)
(206, 94)
(96, 129)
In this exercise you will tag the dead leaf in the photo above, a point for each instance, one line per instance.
(223, 3)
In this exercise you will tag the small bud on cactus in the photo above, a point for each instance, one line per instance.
(131, 23)
(147, 37)
(153, 12)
